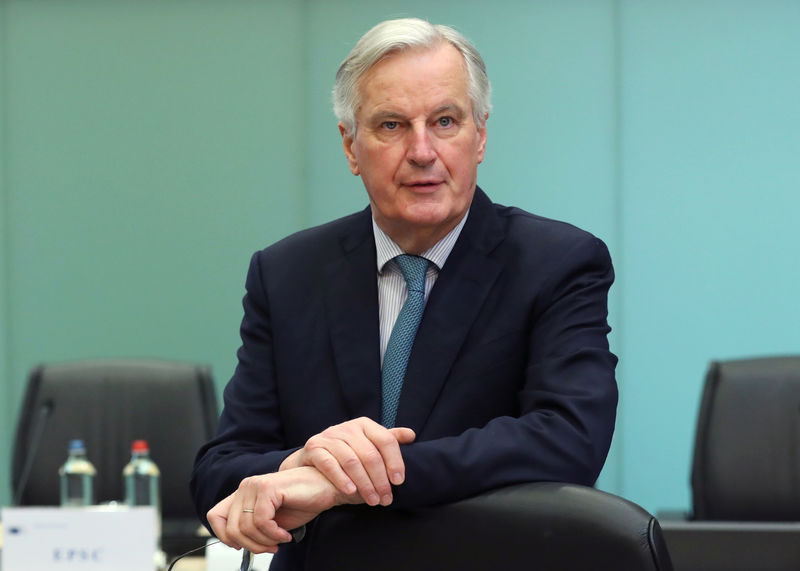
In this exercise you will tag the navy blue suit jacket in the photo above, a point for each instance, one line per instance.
(510, 378)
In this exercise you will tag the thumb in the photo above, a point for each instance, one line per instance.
(403, 435)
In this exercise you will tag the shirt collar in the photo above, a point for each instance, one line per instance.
(387, 249)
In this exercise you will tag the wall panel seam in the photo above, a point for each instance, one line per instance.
(619, 250)
(7, 413)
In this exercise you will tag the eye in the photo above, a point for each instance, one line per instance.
(390, 125)
(444, 121)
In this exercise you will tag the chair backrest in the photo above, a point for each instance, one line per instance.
(746, 463)
(528, 526)
(108, 404)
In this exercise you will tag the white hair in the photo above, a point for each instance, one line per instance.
(393, 36)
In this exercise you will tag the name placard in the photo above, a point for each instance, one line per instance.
(79, 539)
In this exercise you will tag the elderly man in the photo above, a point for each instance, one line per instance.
(431, 347)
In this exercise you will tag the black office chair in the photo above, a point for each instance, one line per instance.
(745, 472)
(545, 526)
(747, 447)
(108, 404)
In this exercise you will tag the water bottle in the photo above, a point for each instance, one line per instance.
(77, 477)
(141, 476)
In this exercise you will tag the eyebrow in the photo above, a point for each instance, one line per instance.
(451, 107)
(381, 116)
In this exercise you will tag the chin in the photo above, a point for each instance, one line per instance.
(427, 214)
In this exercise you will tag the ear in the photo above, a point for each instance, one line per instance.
(347, 144)
(481, 150)
(482, 139)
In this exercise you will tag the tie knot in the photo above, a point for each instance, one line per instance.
(414, 269)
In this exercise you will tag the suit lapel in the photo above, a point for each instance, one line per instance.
(352, 307)
(454, 303)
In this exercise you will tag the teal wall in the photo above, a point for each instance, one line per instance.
(147, 148)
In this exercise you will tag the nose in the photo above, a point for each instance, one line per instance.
(420, 147)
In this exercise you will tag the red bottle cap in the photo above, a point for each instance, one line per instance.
(140, 446)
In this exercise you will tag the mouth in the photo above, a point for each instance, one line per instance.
(424, 185)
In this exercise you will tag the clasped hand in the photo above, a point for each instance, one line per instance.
(349, 463)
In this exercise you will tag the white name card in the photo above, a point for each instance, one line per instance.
(79, 539)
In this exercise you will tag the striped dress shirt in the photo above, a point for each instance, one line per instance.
(392, 288)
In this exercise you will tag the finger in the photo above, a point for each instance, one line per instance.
(378, 451)
(384, 464)
(261, 536)
(254, 512)
(226, 526)
(269, 532)
(350, 458)
(232, 531)
(218, 520)
(388, 446)
(354, 444)
(329, 466)
(395, 466)
(403, 435)
(358, 450)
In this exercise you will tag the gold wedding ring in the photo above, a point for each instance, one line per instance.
(248, 511)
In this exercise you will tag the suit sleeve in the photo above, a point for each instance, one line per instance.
(249, 439)
(567, 403)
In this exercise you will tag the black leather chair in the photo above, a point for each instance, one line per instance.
(545, 526)
(745, 472)
(108, 404)
(747, 449)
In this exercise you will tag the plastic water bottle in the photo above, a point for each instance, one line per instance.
(141, 476)
(77, 477)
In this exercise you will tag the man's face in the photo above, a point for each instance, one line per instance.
(416, 146)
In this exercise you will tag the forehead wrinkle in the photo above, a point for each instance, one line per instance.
(390, 96)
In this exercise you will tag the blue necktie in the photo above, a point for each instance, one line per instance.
(405, 328)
